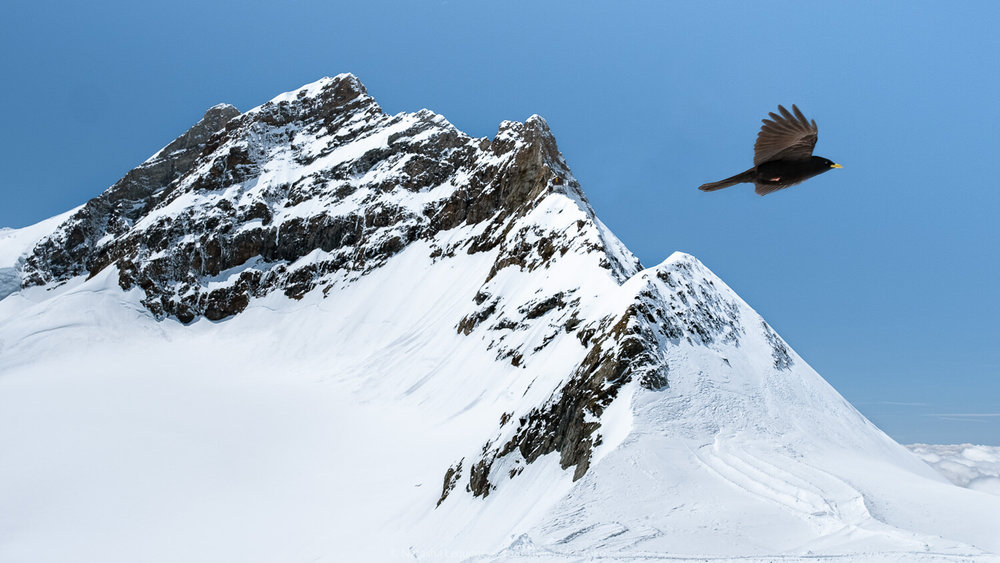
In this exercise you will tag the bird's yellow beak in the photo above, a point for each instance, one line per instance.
(835, 166)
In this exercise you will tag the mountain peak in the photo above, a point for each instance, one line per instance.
(317, 100)
(344, 86)
(220, 108)
(315, 185)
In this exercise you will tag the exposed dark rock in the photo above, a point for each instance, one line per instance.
(73, 250)
(451, 478)
(779, 350)
(472, 320)
(536, 309)
(479, 481)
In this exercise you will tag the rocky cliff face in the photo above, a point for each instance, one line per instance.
(77, 247)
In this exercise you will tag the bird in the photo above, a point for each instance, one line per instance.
(782, 155)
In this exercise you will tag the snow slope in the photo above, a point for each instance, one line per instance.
(481, 373)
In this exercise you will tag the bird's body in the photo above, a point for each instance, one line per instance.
(782, 155)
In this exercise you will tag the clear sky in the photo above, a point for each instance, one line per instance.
(883, 276)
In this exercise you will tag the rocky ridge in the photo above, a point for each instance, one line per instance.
(315, 184)
(675, 302)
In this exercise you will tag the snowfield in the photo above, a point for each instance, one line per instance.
(320, 429)
(428, 408)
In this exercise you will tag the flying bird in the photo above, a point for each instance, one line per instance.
(782, 155)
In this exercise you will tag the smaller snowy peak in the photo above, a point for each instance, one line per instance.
(689, 302)
(625, 334)
(686, 301)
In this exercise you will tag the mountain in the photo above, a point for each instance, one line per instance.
(313, 330)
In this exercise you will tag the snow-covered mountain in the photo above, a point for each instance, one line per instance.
(314, 331)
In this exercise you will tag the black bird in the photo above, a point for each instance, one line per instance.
(782, 155)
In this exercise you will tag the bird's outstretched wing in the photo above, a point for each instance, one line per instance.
(785, 137)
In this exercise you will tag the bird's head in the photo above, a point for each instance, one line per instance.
(831, 164)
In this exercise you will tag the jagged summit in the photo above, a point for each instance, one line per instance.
(430, 348)
(342, 88)
(250, 197)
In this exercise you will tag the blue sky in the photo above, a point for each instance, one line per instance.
(883, 276)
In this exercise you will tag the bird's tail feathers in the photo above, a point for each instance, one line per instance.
(740, 178)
